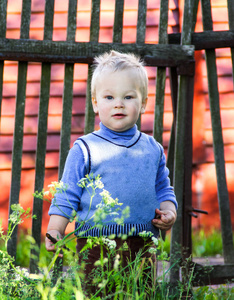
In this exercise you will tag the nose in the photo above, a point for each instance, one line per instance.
(119, 103)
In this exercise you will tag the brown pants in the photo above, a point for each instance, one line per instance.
(134, 245)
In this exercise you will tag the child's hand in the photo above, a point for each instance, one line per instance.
(48, 243)
(166, 216)
(56, 228)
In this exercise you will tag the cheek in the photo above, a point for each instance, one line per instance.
(103, 109)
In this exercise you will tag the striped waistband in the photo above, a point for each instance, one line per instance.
(129, 229)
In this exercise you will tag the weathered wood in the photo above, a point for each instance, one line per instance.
(141, 21)
(183, 131)
(19, 125)
(3, 11)
(140, 35)
(67, 91)
(160, 82)
(161, 76)
(231, 27)
(215, 274)
(94, 36)
(207, 39)
(76, 52)
(118, 21)
(42, 138)
(223, 196)
(17, 148)
(174, 95)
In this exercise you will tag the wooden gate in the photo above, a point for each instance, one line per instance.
(175, 52)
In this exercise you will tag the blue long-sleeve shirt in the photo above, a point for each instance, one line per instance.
(133, 169)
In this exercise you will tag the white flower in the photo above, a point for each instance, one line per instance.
(155, 240)
(152, 250)
(98, 183)
(145, 234)
(117, 262)
(111, 244)
(102, 284)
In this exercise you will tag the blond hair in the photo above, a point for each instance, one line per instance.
(116, 61)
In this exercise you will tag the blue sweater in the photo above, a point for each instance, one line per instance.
(132, 167)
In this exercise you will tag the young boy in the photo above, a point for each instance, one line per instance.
(132, 165)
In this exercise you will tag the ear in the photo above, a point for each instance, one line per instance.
(94, 102)
(143, 105)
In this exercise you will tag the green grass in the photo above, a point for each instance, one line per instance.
(204, 245)
(207, 243)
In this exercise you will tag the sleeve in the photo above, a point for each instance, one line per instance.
(67, 200)
(164, 190)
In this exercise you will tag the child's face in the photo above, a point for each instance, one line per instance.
(119, 99)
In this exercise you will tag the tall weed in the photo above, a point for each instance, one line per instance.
(138, 280)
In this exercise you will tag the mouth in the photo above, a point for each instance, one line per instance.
(119, 116)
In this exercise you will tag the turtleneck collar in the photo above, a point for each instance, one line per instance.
(124, 138)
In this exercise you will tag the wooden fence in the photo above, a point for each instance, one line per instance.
(175, 52)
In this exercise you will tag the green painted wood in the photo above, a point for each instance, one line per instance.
(223, 196)
(67, 91)
(183, 128)
(41, 138)
(118, 21)
(3, 11)
(94, 36)
(19, 124)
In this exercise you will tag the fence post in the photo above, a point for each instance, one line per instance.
(41, 139)
(19, 125)
(223, 197)
(183, 131)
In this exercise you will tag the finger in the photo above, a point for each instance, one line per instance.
(158, 211)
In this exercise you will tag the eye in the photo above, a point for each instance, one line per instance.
(108, 97)
(128, 97)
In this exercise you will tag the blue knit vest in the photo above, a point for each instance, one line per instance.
(129, 174)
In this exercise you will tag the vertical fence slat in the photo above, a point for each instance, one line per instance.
(231, 27)
(181, 134)
(223, 196)
(3, 13)
(188, 148)
(118, 21)
(141, 21)
(67, 91)
(161, 76)
(65, 135)
(42, 138)
(19, 124)
(160, 81)
(174, 93)
(171, 147)
(140, 35)
(94, 36)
